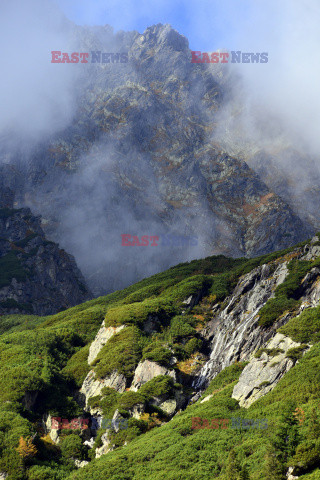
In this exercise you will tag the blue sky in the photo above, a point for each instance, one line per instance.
(208, 24)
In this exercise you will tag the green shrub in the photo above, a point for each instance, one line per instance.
(121, 353)
(137, 313)
(71, 447)
(129, 399)
(13, 323)
(273, 309)
(156, 352)
(305, 328)
(107, 401)
(296, 353)
(157, 386)
(271, 352)
(193, 345)
(83, 321)
(222, 285)
(125, 436)
(189, 286)
(307, 455)
(142, 425)
(143, 293)
(180, 327)
(38, 472)
(77, 366)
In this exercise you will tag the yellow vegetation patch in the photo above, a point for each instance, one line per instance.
(191, 364)
(153, 420)
(47, 439)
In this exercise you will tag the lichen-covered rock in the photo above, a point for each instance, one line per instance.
(53, 432)
(147, 370)
(169, 406)
(105, 438)
(92, 385)
(114, 426)
(137, 410)
(89, 443)
(80, 463)
(206, 399)
(262, 374)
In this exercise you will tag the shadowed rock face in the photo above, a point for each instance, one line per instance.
(36, 276)
(139, 158)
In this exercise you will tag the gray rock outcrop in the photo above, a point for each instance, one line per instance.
(262, 374)
(103, 335)
(234, 332)
(92, 386)
(80, 463)
(105, 438)
(147, 370)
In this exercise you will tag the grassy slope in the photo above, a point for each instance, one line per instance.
(49, 354)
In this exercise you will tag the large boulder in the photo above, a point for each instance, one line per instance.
(147, 370)
(92, 385)
(262, 374)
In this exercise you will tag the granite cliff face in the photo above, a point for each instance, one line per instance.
(234, 332)
(36, 275)
(139, 158)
